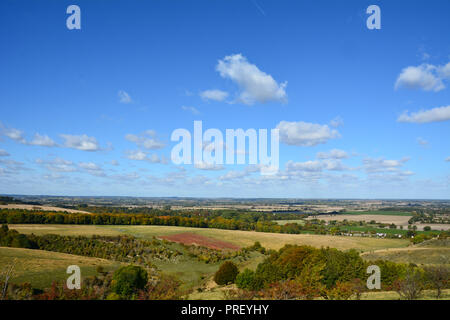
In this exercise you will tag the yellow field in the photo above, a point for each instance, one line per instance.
(240, 238)
(40, 267)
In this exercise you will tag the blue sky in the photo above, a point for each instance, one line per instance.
(362, 113)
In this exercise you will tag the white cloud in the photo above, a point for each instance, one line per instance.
(143, 156)
(427, 77)
(381, 165)
(425, 116)
(193, 110)
(308, 166)
(3, 153)
(255, 85)
(448, 159)
(124, 97)
(231, 175)
(335, 165)
(146, 140)
(444, 71)
(216, 95)
(136, 155)
(58, 164)
(92, 168)
(14, 134)
(42, 140)
(208, 166)
(305, 134)
(333, 154)
(19, 136)
(114, 162)
(80, 142)
(337, 122)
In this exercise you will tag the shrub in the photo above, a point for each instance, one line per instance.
(128, 280)
(226, 274)
(249, 280)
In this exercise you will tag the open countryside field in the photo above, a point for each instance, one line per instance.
(38, 207)
(417, 255)
(237, 237)
(379, 213)
(399, 220)
(40, 267)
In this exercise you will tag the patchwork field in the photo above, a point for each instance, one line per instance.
(236, 237)
(40, 267)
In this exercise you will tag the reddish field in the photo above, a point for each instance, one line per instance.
(192, 238)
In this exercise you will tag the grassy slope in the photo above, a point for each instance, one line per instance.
(41, 268)
(415, 255)
(241, 238)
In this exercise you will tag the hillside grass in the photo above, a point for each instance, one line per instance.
(40, 268)
(417, 255)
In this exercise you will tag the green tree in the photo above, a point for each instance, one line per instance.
(249, 280)
(128, 280)
(226, 274)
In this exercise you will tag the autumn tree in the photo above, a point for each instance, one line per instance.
(226, 274)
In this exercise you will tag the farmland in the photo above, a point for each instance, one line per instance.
(192, 245)
(237, 237)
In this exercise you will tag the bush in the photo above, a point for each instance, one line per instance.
(226, 274)
(128, 280)
(249, 280)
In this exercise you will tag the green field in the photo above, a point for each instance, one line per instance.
(41, 268)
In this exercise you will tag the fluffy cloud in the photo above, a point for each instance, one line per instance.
(124, 97)
(309, 166)
(232, 175)
(42, 140)
(92, 168)
(425, 116)
(3, 153)
(80, 142)
(333, 154)
(146, 140)
(58, 164)
(427, 77)
(216, 95)
(381, 165)
(14, 134)
(143, 156)
(305, 134)
(255, 85)
(208, 166)
(448, 159)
